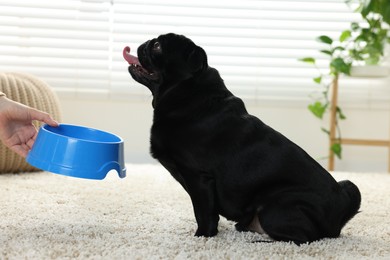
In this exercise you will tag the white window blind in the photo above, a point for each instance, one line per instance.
(64, 42)
(255, 44)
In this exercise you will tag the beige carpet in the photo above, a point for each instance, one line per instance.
(147, 215)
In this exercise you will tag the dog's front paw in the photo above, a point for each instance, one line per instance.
(206, 233)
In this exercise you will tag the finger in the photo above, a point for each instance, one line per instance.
(30, 143)
(43, 117)
(20, 150)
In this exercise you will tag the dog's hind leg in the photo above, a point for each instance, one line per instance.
(250, 223)
(288, 223)
(255, 225)
(351, 201)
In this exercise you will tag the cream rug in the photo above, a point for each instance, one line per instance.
(147, 215)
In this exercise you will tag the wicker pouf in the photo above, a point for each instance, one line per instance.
(33, 92)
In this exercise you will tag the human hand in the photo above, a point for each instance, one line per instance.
(16, 128)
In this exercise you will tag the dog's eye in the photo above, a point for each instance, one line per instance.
(156, 47)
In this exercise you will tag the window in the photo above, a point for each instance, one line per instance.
(66, 43)
(76, 45)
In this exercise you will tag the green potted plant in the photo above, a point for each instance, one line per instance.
(363, 44)
(369, 40)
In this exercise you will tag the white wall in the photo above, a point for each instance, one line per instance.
(132, 120)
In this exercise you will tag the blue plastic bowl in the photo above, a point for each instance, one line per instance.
(77, 151)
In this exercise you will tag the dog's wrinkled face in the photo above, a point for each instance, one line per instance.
(165, 61)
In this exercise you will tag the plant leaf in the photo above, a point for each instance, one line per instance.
(326, 52)
(368, 6)
(318, 109)
(340, 113)
(326, 131)
(340, 48)
(308, 60)
(385, 11)
(355, 26)
(325, 39)
(336, 149)
(345, 35)
(318, 80)
(338, 65)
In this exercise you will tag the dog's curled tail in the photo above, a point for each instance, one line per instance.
(352, 201)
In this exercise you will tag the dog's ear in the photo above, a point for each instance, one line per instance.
(197, 59)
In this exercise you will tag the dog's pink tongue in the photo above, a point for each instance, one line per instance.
(130, 58)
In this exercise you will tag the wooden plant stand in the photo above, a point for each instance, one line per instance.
(346, 141)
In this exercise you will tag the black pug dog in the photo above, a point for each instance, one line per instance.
(230, 162)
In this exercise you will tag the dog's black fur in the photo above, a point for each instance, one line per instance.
(230, 162)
